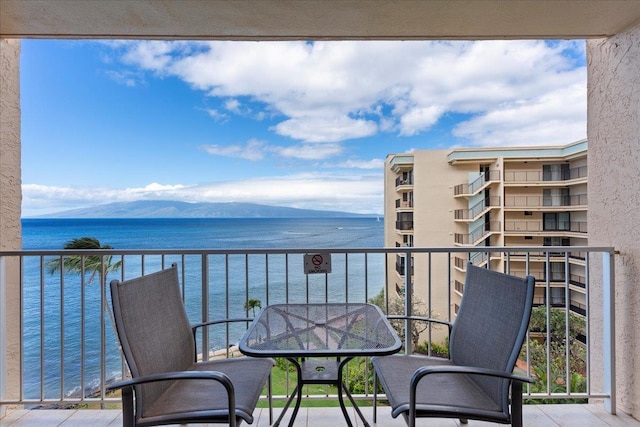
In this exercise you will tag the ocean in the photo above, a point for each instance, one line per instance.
(172, 234)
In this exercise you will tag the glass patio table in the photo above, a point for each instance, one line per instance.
(332, 332)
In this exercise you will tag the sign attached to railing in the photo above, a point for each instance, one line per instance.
(317, 263)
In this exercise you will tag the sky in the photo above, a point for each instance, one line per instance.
(297, 124)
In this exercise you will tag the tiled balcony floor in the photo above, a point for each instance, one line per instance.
(534, 415)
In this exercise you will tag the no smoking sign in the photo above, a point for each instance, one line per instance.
(317, 263)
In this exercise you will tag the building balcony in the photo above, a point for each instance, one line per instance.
(66, 353)
(480, 183)
(563, 228)
(478, 234)
(404, 225)
(477, 210)
(530, 177)
(403, 183)
(546, 203)
(404, 204)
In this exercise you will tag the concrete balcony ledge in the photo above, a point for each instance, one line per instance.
(579, 415)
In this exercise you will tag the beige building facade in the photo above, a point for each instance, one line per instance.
(479, 198)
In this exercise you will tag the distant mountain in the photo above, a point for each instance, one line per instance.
(175, 209)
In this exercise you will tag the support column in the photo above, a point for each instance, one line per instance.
(613, 132)
(10, 226)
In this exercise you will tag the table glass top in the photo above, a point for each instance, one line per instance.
(334, 329)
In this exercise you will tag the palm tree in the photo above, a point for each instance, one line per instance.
(95, 265)
(252, 304)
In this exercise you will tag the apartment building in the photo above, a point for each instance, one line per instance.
(480, 197)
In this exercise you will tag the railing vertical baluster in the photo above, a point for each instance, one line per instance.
(42, 305)
(408, 294)
(204, 269)
(548, 322)
(568, 339)
(246, 283)
(103, 331)
(609, 330)
(346, 277)
(286, 278)
(587, 323)
(61, 335)
(429, 296)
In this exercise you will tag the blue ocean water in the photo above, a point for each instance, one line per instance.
(210, 233)
(193, 233)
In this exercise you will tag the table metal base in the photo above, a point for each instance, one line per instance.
(320, 372)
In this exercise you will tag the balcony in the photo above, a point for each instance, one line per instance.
(533, 226)
(403, 182)
(404, 225)
(477, 210)
(67, 351)
(469, 189)
(404, 204)
(478, 234)
(546, 203)
(533, 176)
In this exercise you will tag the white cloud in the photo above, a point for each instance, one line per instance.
(360, 164)
(325, 129)
(212, 112)
(253, 150)
(334, 91)
(554, 118)
(309, 151)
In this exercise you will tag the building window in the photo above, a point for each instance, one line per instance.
(555, 197)
(556, 221)
(558, 172)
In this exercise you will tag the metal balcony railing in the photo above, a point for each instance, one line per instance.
(536, 226)
(404, 225)
(544, 201)
(477, 234)
(61, 347)
(537, 175)
(475, 186)
(478, 208)
(404, 181)
(404, 203)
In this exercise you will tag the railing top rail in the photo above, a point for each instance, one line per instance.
(415, 249)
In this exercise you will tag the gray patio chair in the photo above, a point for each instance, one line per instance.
(168, 385)
(477, 381)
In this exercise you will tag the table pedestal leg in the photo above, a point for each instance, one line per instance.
(342, 386)
(296, 393)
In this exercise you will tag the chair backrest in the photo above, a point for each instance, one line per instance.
(491, 325)
(153, 328)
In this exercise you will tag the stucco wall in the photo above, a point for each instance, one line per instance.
(613, 132)
(10, 202)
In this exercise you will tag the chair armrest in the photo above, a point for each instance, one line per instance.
(195, 326)
(172, 376)
(420, 318)
(427, 370)
(220, 377)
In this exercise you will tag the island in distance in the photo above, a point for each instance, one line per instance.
(176, 209)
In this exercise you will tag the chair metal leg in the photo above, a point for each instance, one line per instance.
(516, 404)
(270, 392)
(128, 415)
(375, 397)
